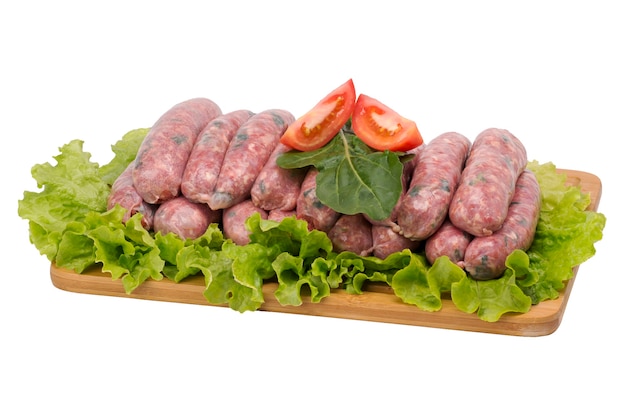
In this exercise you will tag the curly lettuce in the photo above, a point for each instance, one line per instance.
(70, 225)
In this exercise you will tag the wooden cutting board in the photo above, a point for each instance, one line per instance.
(378, 303)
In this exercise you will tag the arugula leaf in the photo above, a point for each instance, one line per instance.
(352, 177)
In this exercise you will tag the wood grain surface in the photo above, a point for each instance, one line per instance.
(378, 303)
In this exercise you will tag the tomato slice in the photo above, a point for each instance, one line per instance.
(382, 128)
(320, 124)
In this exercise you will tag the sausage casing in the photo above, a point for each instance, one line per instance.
(123, 192)
(234, 221)
(448, 241)
(353, 233)
(385, 241)
(247, 153)
(438, 166)
(485, 256)
(309, 207)
(482, 199)
(277, 188)
(206, 158)
(184, 218)
(163, 154)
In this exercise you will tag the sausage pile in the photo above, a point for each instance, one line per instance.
(473, 202)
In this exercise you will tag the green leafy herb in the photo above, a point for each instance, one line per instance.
(125, 151)
(71, 189)
(352, 177)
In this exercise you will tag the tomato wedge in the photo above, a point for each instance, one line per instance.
(382, 128)
(320, 124)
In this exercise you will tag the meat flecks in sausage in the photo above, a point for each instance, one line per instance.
(184, 218)
(247, 153)
(207, 156)
(485, 256)
(482, 199)
(437, 170)
(163, 154)
(234, 221)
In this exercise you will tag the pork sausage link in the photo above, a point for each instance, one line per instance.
(353, 233)
(184, 218)
(279, 215)
(277, 188)
(247, 153)
(234, 221)
(163, 154)
(385, 241)
(482, 199)
(485, 256)
(123, 192)
(437, 172)
(207, 155)
(448, 241)
(309, 208)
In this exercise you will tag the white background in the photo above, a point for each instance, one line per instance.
(550, 72)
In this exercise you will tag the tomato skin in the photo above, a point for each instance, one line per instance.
(382, 128)
(320, 124)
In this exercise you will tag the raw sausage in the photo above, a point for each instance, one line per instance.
(438, 166)
(385, 241)
(123, 192)
(184, 218)
(482, 199)
(485, 256)
(164, 152)
(277, 188)
(353, 233)
(309, 208)
(279, 215)
(207, 155)
(234, 221)
(448, 241)
(247, 153)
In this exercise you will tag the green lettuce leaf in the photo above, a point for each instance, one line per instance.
(69, 190)
(289, 235)
(187, 257)
(490, 299)
(421, 285)
(69, 224)
(125, 151)
(354, 270)
(76, 250)
(236, 274)
(298, 257)
(125, 250)
(292, 276)
(566, 234)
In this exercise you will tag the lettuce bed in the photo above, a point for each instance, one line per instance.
(69, 224)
